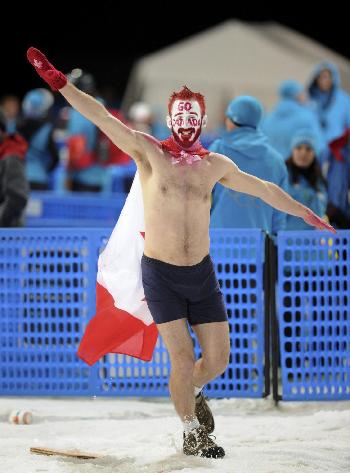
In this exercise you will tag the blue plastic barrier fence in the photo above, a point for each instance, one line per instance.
(47, 296)
(313, 306)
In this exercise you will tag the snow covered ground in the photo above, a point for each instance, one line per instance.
(144, 436)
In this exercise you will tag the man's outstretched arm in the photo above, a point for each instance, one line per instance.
(273, 195)
(130, 141)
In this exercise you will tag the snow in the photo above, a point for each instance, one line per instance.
(145, 436)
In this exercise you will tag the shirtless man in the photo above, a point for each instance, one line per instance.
(177, 176)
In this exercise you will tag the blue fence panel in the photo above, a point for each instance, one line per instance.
(47, 287)
(121, 375)
(313, 306)
(239, 260)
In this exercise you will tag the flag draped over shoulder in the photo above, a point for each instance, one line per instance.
(123, 322)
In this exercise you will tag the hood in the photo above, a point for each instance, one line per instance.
(312, 87)
(286, 107)
(248, 141)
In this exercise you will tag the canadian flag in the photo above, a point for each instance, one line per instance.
(123, 322)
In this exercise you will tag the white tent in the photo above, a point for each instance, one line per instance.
(230, 59)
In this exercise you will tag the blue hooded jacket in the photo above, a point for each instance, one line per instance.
(287, 117)
(249, 149)
(36, 127)
(38, 157)
(302, 191)
(308, 196)
(333, 107)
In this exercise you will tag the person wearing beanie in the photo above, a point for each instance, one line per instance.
(306, 183)
(289, 115)
(84, 171)
(248, 147)
(36, 127)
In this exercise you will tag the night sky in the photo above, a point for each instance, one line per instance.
(106, 40)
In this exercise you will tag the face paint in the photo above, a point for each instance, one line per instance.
(186, 122)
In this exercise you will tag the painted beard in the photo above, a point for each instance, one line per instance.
(186, 137)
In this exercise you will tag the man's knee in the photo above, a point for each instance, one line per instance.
(216, 363)
(182, 361)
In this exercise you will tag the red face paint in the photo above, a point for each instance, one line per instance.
(186, 122)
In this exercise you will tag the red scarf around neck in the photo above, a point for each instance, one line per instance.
(172, 147)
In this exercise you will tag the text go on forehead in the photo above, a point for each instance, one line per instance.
(186, 106)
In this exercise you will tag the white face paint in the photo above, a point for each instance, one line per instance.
(186, 122)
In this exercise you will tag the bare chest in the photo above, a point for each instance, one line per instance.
(182, 180)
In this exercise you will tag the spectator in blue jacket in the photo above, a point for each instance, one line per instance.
(248, 147)
(86, 172)
(306, 183)
(331, 102)
(289, 115)
(37, 128)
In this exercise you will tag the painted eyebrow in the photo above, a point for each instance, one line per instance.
(180, 113)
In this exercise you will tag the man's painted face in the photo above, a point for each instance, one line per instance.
(186, 122)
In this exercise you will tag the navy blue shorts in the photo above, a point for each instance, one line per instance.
(174, 292)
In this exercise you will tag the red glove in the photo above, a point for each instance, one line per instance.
(46, 70)
(315, 221)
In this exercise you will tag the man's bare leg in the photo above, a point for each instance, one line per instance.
(179, 344)
(215, 345)
(214, 340)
